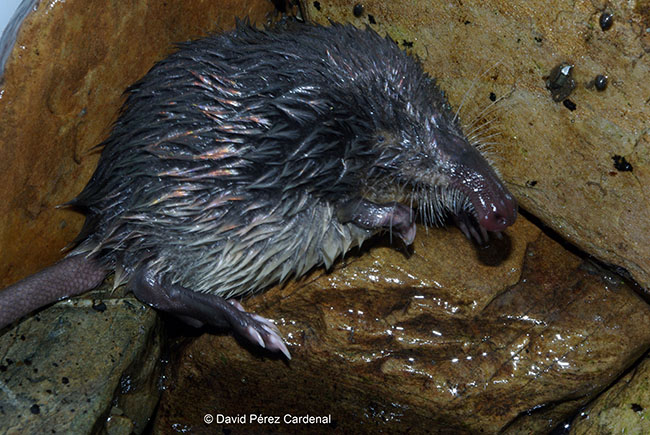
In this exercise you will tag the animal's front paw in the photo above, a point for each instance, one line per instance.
(392, 216)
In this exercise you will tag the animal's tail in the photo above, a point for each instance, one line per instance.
(69, 277)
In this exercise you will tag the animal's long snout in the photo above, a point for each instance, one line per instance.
(495, 207)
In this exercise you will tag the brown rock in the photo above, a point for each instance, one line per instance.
(61, 90)
(436, 341)
(560, 164)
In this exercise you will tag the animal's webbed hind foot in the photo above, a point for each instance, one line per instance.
(202, 308)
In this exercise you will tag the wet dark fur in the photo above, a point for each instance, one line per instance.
(254, 155)
(255, 125)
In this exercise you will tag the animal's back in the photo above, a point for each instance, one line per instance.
(223, 167)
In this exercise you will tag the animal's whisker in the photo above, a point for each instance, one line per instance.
(486, 125)
(471, 88)
(479, 140)
(489, 109)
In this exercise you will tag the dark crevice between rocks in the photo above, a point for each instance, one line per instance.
(564, 427)
(173, 333)
(590, 264)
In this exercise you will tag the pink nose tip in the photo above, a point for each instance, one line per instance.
(500, 214)
(496, 222)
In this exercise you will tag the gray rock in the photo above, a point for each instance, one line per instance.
(71, 367)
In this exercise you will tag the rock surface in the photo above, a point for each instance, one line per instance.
(585, 172)
(623, 408)
(80, 366)
(437, 341)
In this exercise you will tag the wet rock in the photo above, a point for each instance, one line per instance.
(69, 367)
(432, 341)
(508, 48)
(623, 408)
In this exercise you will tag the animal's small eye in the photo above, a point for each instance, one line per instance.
(380, 139)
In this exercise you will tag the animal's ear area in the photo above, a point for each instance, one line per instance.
(390, 149)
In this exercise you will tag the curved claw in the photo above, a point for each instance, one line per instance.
(259, 330)
(266, 322)
(471, 229)
(235, 303)
(255, 336)
(276, 343)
